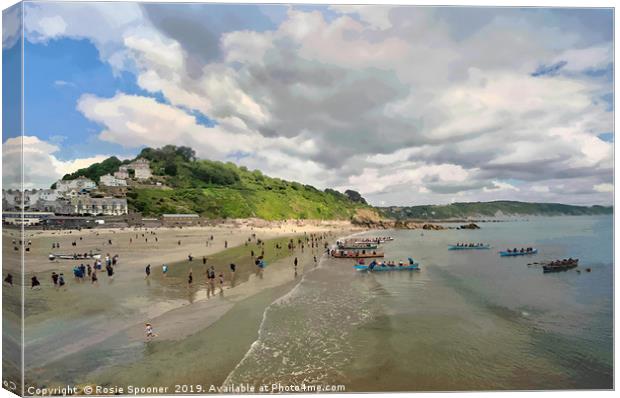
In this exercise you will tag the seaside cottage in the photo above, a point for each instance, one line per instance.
(140, 168)
(79, 184)
(99, 206)
(109, 180)
(26, 218)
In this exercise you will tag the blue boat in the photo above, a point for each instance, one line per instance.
(518, 253)
(455, 247)
(374, 266)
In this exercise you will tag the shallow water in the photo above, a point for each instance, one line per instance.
(469, 320)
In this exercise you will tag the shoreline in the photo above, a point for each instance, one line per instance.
(174, 318)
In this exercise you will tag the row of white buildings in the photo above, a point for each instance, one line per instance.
(76, 197)
(68, 203)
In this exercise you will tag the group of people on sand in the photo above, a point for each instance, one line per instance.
(34, 281)
(469, 245)
(21, 243)
(146, 238)
(522, 250)
(80, 273)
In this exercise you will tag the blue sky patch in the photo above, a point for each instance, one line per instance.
(549, 70)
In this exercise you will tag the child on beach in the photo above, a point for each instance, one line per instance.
(221, 277)
(149, 331)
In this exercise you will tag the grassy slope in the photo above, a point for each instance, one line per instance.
(252, 195)
(490, 209)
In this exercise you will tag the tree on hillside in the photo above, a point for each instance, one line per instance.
(96, 170)
(187, 153)
(355, 196)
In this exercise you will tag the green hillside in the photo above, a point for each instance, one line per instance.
(490, 209)
(224, 190)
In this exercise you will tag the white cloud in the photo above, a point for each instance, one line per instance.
(51, 26)
(105, 24)
(378, 17)
(540, 188)
(11, 26)
(63, 83)
(604, 188)
(586, 58)
(40, 166)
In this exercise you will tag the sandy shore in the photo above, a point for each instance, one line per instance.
(163, 247)
(72, 323)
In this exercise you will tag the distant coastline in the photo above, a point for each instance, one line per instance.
(493, 211)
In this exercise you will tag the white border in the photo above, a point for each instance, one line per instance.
(487, 3)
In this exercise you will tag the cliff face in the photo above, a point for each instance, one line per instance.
(372, 219)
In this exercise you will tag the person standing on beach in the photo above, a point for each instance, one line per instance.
(211, 278)
(164, 269)
(295, 262)
(225, 244)
(221, 277)
(34, 282)
(9, 279)
(204, 260)
(55, 279)
(93, 277)
(190, 278)
(61, 281)
(147, 270)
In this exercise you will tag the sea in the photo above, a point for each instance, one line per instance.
(468, 320)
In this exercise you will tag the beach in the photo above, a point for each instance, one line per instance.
(75, 323)
(468, 320)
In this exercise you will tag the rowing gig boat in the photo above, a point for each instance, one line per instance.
(518, 253)
(455, 247)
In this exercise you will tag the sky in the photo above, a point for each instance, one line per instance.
(407, 105)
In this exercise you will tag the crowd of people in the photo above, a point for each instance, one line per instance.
(85, 270)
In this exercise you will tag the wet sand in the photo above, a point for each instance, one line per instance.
(66, 328)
